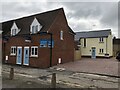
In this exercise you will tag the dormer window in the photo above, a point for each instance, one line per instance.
(14, 29)
(35, 26)
(14, 32)
(35, 29)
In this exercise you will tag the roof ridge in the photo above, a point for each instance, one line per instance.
(93, 31)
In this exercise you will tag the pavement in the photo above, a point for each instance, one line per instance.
(86, 73)
(97, 66)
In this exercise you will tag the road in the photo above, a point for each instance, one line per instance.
(33, 77)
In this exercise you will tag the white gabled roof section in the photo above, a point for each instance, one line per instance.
(14, 26)
(35, 23)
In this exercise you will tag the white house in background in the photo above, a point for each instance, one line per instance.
(95, 43)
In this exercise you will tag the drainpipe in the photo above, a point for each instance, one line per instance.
(51, 50)
(106, 45)
(3, 55)
(50, 46)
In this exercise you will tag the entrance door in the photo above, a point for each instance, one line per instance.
(93, 52)
(26, 56)
(19, 55)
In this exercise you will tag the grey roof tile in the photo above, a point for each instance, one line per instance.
(92, 34)
(45, 19)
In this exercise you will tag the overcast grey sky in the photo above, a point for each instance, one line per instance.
(80, 15)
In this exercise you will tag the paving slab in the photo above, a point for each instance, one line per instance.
(98, 65)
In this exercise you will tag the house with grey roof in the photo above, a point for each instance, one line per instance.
(95, 43)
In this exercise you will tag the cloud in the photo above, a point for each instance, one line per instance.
(19, 9)
(83, 10)
(104, 15)
(80, 15)
(110, 14)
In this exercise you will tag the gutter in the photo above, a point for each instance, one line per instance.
(106, 45)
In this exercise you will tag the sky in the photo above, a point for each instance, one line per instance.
(81, 15)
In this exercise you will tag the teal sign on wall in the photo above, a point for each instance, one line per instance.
(46, 43)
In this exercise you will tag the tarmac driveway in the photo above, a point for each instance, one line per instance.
(88, 65)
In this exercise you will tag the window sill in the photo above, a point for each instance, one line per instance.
(34, 56)
(101, 53)
(43, 47)
(101, 42)
(12, 54)
(50, 47)
(33, 33)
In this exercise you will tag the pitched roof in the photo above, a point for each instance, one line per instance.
(92, 34)
(45, 19)
(71, 31)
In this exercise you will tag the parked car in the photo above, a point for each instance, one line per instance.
(118, 56)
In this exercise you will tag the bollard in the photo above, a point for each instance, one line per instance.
(53, 80)
(11, 73)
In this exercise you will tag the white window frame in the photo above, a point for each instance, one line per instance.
(34, 29)
(37, 26)
(33, 55)
(84, 42)
(14, 29)
(61, 35)
(14, 51)
(101, 39)
(14, 32)
(101, 50)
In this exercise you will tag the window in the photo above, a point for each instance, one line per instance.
(84, 40)
(13, 50)
(14, 29)
(61, 35)
(13, 32)
(34, 29)
(101, 50)
(101, 39)
(34, 51)
(43, 43)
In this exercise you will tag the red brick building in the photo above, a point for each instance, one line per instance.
(40, 40)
